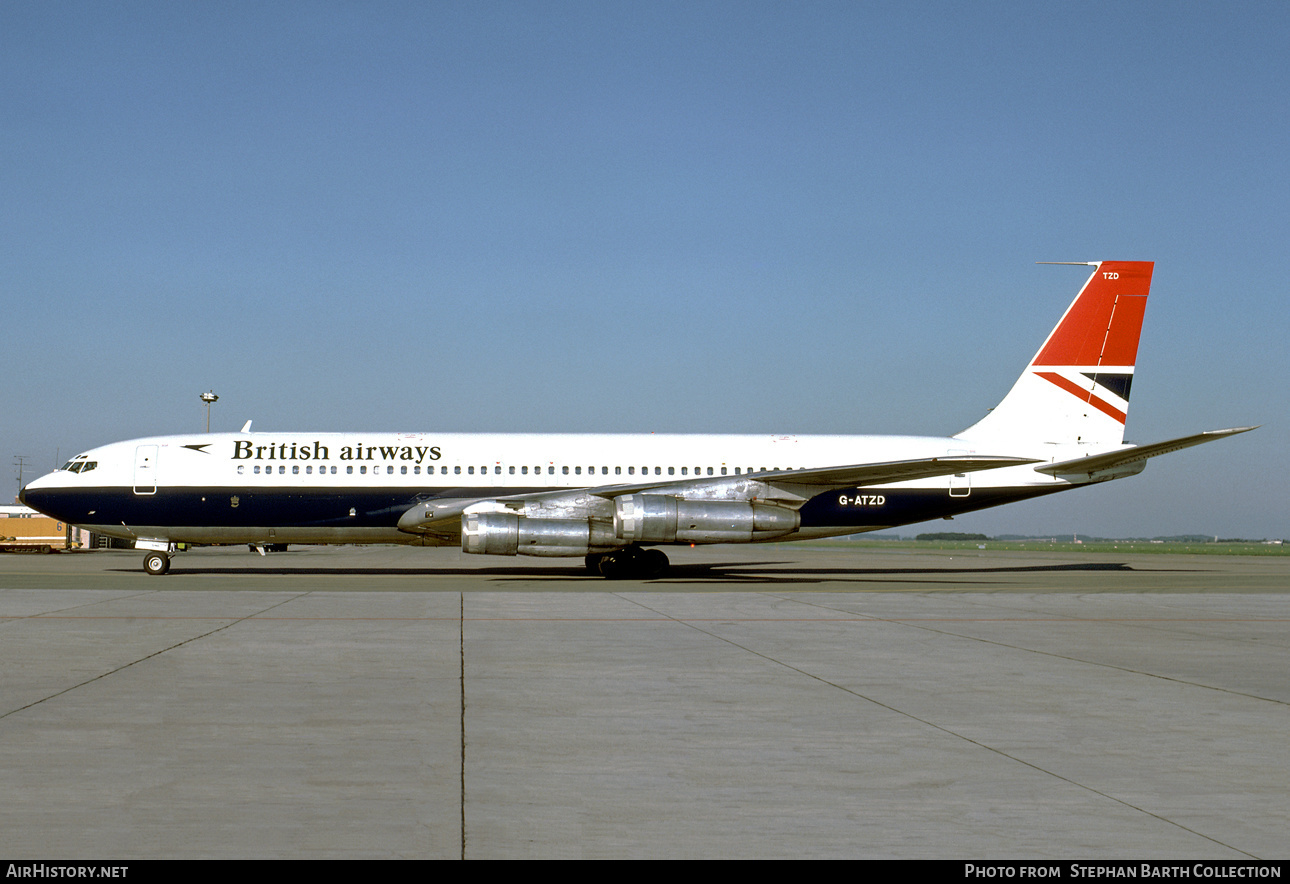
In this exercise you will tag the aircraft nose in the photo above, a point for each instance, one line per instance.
(25, 496)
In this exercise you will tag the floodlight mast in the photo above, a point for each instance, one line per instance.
(210, 399)
(20, 461)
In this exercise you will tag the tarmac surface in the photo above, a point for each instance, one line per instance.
(781, 701)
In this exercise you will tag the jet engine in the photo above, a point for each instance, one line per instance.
(638, 518)
(507, 534)
(658, 518)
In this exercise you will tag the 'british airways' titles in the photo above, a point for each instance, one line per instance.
(245, 450)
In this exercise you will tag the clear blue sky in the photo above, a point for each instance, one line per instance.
(599, 216)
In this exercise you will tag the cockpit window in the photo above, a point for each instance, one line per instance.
(89, 465)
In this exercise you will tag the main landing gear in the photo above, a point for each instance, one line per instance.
(157, 563)
(632, 563)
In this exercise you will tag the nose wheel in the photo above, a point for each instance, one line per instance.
(156, 563)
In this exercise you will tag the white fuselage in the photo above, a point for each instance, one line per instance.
(352, 487)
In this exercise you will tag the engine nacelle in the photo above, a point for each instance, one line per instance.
(658, 518)
(507, 534)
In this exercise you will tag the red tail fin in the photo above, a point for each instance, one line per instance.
(1102, 326)
(1076, 389)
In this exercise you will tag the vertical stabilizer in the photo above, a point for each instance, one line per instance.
(1076, 389)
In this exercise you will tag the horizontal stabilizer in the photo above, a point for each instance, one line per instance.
(1097, 463)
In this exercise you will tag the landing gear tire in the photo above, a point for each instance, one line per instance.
(156, 563)
(652, 563)
(616, 565)
(632, 563)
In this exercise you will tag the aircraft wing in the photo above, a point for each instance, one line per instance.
(442, 516)
(859, 475)
(1097, 463)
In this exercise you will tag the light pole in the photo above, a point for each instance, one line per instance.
(20, 461)
(210, 399)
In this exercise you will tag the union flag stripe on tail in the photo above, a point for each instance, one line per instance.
(1076, 389)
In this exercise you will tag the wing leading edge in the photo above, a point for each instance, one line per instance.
(859, 475)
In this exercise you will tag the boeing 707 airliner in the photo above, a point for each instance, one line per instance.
(616, 499)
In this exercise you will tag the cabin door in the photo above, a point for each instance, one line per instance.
(145, 469)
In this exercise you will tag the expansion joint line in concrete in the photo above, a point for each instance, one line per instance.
(146, 657)
(63, 612)
(1043, 653)
(935, 726)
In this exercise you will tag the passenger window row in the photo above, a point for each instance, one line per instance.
(470, 470)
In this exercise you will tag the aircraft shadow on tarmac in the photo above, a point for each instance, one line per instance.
(709, 572)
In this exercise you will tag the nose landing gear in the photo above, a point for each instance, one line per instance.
(156, 555)
(156, 563)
